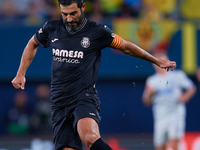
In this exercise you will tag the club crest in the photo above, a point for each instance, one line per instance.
(85, 42)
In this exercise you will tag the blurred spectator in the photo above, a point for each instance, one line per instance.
(27, 12)
(21, 6)
(96, 13)
(41, 118)
(159, 9)
(36, 12)
(42, 7)
(166, 7)
(150, 11)
(111, 7)
(9, 14)
(130, 8)
(40, 11)
(54, 11)
(88, 9)
(33, 19)
(18, 115)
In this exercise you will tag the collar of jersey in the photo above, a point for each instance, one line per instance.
(79, 28)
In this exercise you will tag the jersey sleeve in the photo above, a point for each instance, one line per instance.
(42, 36)
(107, 36)
(184, 81)
(150, 82)
(111, 39)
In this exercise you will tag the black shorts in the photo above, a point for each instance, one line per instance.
(65, 119)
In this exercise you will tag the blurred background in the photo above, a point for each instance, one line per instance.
(126, 124)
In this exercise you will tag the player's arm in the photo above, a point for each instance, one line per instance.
(133, 50)
(27, 57)
(188, 94)
(147, 95)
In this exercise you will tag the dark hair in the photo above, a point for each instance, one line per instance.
(69, 2)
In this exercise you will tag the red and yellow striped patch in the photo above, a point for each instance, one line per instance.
(117, 42)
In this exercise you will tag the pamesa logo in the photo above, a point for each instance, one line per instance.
(68, 56)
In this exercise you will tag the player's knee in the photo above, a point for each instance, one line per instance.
(89, 138)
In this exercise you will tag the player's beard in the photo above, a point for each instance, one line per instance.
(74, 28)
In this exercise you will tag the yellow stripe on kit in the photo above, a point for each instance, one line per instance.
(189, 48)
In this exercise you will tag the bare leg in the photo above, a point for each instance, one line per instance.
(162, 147)
(174, 143)
(88, 130)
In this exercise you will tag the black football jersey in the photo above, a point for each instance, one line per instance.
(75, 56)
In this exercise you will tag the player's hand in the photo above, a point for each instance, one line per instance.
(182, 98)
(167, 64)
(19, 82)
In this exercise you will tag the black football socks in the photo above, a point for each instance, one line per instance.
(100, 145)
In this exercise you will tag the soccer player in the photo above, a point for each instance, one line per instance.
(164, 90)
(76, 46)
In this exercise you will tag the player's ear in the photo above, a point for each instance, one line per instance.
(83, 7)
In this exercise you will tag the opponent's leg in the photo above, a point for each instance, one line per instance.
(174, 143)
(162, 147)
(88, 131)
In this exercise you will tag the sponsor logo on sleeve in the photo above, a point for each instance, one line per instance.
(40, 31)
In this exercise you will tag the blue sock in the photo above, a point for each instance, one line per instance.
(100, 145)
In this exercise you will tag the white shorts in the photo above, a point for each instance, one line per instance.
(168, 128)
